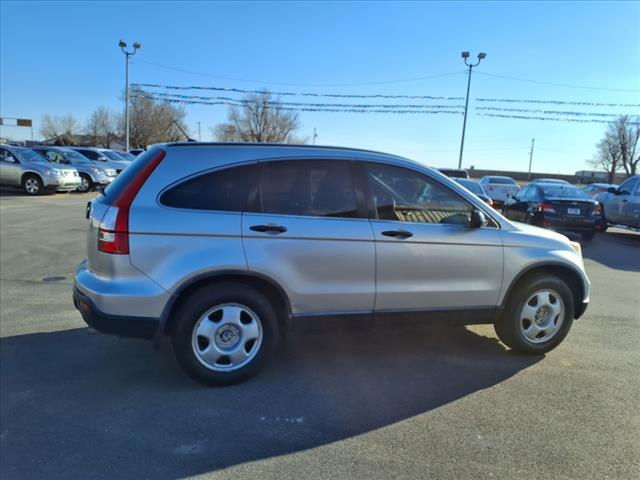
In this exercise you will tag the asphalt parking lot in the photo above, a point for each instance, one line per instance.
(412, 401)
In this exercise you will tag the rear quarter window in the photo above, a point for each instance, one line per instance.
(223, 190)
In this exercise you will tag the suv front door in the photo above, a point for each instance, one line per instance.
(427, 255)
(9, 168)
(308, 231)
(614, 208)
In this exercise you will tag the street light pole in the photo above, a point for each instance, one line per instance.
(127, 54)
(533, 141)
(465, 55)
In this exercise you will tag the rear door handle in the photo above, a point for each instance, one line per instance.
(268, 228)
(397, 233)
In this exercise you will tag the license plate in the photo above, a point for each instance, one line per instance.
(573, 211)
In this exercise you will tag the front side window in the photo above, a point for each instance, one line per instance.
(223, 190)
(319, 188)
(5, 156)
(407, 196)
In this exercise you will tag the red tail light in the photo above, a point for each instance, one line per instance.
(546, 208)
(597, 210)
(113, 233)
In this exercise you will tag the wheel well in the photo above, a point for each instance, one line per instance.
(25, 175)
(571, 277)
(268, 288)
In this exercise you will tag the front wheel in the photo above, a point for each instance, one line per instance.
(537, 316)
(224, 334)
(85, 183)
(32, 185)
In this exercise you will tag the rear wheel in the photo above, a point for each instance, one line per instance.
(224, 334)
(32, 185)
(537, 316)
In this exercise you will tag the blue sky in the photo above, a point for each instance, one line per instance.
(62, 57)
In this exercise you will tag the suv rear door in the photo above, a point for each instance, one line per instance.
(308, 231)
(427, 257)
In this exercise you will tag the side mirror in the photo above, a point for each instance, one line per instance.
(510, 195)
(612, 190)
(478, 219)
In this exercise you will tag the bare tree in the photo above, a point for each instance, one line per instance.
(259, 120)
(618, 149)
(625, 130)
(607, 157)
(154, 122)
(64, 128)
(102, 127)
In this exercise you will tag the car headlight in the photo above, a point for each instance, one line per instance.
(52, 171)
(576, 246)
(96, 170)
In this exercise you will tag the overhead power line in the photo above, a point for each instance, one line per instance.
(563, 85)
(298, 94)
(545, 118)
(290, 84)
(301, 109)
(554, 112)
(240, 102)
(556, 102)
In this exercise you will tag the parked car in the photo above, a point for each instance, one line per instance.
(113, 155)
(127, 156)
(91, 175)
(99, 157)
(223, 247)
(499, 188)
(24, 168)
(476, 189)
(549, 181)
(136, 151)
(621, 206)
(454, 172)
(563, 208)
(594, 189)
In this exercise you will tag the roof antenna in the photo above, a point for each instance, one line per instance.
(189, 139)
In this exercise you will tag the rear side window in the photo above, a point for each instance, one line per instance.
(319, 188)
(223, 190)
(501, 181)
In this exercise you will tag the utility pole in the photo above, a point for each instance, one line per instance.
(199, 133)
(315, 135)
(465, 55)
(127, 54)
(533, 141)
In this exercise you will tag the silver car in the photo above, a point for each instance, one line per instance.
(621, 205)
(91, 175)
(101, 159)
(499, 188)
(225, 246)
(24, 168)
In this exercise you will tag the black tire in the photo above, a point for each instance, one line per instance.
(190, 312)
(588, 236)
(32, 185)
(508, 326)
(605, 224)
(84, 176)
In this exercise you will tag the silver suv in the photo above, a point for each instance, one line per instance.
(226, 246)
(24, 168)
(91, 175)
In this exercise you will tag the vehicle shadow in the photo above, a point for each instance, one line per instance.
(79, 404)
(616, 249)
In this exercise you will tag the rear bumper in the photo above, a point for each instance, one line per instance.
(135, 327)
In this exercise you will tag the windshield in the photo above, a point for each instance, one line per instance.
(502, 181)
(29, 156)
(565, 192)
(111, 155)
(76, 157)
(472, 186)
